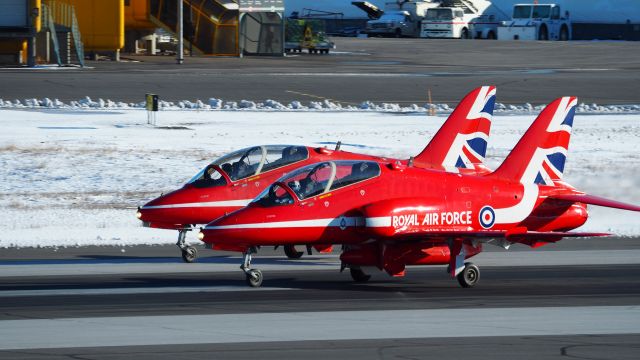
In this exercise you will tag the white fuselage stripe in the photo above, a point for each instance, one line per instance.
(330, 222)
(240, 203)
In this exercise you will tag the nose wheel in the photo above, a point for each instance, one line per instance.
(189, 253)
(253, 276)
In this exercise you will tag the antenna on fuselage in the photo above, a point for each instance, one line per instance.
(338, 145)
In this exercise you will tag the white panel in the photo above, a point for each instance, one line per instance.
(13, 13)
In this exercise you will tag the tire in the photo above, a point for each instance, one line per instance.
(292, 253)
(470, 276)
(254, 278)
(189, 254)
(543, 33)
(564, 34)
(464, 34)
(398, 33)
(358, 275)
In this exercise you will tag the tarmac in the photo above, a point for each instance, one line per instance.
(380, 70)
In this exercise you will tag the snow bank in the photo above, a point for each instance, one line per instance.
(272, 105)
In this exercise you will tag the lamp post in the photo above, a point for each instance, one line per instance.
(180, 57)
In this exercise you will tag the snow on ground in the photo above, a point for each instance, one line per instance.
(75, 176)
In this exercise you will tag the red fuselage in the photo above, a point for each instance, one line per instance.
(193, 204)
(400, 202)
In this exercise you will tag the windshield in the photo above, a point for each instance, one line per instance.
(392, 17)
(208, 177)
(259, 159)
(439, 14)
(522, 12)
(541, 12)
(318, 179)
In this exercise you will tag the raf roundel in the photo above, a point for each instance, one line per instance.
(487, 217)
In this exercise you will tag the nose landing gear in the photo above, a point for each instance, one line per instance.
(189, 253)
(253, 276)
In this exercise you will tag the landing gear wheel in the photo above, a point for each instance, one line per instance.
(470, 276)
(189, 254)
(254, 278)
(292, 253)
(358, 275)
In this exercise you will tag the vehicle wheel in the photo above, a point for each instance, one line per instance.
(464, 34)
(254, 278)
(358, 275)
(292, 253)
(491, 35)
(543, 34)
(398, 33)
(189, 254)
(470, 276)
(564, 34)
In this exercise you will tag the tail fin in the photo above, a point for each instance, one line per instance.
(461, 142)
(539, 156)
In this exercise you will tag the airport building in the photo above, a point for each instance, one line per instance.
(65, 31)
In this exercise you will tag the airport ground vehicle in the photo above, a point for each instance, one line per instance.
(536, 22)
(306, 35)
(458, 23)
(399, 18)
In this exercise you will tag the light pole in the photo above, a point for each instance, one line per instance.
(180, 57)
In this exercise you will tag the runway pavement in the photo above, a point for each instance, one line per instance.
(101, 303)
(378, 70)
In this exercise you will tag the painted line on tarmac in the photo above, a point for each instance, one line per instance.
(317, 326)
(320, 97)
(133, 291)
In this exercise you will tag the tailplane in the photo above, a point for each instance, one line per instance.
(461, 142)
(539, 156)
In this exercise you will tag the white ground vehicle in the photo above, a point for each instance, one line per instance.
(400, 18)
(454, 22)
(536, 22)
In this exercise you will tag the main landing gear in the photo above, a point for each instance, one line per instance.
(292, 253)
(469, 276)
(358, 275)
(189, 253)
(254, 276)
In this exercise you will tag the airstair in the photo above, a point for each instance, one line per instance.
(59, 19)
(210, 26)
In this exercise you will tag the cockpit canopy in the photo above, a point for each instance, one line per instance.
(249, 162)
(316, 179)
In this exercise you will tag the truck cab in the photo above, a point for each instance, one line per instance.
(536, 22)
(445, 22)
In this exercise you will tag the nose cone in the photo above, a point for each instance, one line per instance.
(237, 228)
(183, 207)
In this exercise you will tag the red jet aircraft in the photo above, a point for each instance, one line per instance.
(390, 215)
(232, 181)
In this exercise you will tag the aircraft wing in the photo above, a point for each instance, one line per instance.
(518, 235)
(595, 200)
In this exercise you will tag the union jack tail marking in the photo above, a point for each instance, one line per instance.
(461, 142)
(539, 156)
